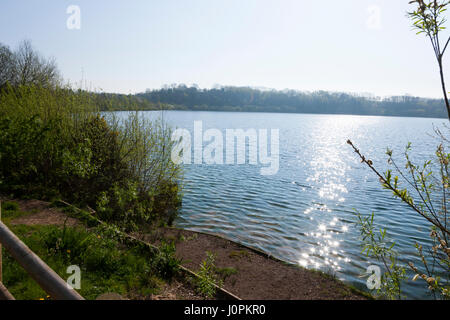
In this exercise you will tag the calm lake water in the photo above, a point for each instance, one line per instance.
(304, 214)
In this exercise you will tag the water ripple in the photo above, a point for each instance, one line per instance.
(305, 214)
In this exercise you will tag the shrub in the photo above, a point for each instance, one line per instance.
(165, 263)
(55, 144)
(208, 279)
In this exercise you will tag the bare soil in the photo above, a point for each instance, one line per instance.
(42, 214)
(257, 276)
(175, 290)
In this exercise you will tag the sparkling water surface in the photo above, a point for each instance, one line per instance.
(305, 214)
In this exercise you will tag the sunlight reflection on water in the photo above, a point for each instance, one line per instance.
(305, 213)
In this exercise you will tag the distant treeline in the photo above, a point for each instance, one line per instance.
(123, 102)
(290, 101)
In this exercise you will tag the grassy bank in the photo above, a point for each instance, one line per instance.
(107, 265)
(110, 263)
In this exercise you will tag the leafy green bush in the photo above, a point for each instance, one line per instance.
(55, 144)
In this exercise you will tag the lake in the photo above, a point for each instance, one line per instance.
(305, 213)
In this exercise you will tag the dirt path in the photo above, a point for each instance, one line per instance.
(42, 214)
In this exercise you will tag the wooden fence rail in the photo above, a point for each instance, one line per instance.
(48, 279)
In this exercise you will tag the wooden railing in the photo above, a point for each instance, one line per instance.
(47, 279)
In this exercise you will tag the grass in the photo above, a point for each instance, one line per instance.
(239, 254)
(10, 211)
(106, 264)
(226, 272)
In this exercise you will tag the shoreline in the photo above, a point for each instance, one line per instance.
(275, 112)
(258, 275)
(246, 273)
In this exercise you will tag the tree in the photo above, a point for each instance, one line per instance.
(6, 65)
(25, 66)
(255, 100)
(32, 68)
(428, 19)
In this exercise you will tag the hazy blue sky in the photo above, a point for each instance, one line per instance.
(128, 46)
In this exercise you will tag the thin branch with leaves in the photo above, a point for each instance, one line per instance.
(427, 195)
(428, 18)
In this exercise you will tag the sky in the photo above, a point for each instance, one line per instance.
(360, 46)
